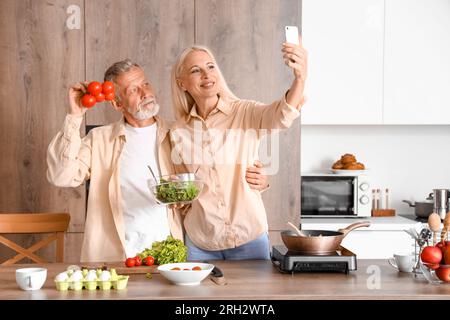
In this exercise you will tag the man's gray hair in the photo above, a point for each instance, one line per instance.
(118, 68)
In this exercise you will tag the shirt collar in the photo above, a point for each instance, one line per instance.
(119, 129)
(222, 106)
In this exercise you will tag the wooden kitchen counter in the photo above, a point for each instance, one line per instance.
(248, 280)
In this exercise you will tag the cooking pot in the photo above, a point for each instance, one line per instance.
(318, 242)
(422, 209)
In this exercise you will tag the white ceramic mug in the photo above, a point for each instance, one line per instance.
(31, 278)
(403, 262)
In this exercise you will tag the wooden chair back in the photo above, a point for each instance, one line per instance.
(34, 223)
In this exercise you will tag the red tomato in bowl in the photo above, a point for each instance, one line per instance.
(88, 101)
(94, 88)
(197, 268)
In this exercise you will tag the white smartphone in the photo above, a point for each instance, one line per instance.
(291, 34)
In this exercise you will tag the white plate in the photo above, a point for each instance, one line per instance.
(349, 172)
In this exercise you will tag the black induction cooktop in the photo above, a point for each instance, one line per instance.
(342, 260)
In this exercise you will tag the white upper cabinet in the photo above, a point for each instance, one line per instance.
(417, 62)
(377, 61)
(344, 40)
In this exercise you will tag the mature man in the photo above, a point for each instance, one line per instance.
(122, 219)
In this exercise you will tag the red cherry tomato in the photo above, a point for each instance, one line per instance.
(100, 97)
(130, 262)
(138, 261)
(175, 269)
(88, 101)
(196, 268)
(107, 87)
(148, 261)
(109, 96)
(94, 88)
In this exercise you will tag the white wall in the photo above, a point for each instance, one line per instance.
(409, 160)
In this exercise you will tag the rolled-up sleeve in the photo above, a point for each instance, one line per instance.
(69, 156)
(277, 115)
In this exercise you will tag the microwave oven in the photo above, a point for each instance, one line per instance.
(335, 195)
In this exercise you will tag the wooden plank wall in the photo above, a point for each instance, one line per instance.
(151, 32)
(41, 57)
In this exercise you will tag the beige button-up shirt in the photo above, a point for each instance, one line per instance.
(71, 160)
(228, 213)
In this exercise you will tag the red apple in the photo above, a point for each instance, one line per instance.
(443, 273)
(431, 254)
(446, 256)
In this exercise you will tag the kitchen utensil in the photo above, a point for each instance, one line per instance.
(296, 229)
(434, 222)
(445, 229)
(440, 202)
(422, 209)
(154, 177)
(318, 242)
(217, 277)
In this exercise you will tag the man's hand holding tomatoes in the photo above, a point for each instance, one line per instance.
(76, 93)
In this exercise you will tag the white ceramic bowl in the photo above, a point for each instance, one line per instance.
(31, 278)
(185, 277)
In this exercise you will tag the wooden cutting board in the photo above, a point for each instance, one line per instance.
(122, 269)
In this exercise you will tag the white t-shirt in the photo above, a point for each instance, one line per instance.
(145, 220)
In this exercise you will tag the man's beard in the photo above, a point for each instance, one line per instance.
(145, 113)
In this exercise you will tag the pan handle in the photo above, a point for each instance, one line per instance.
(409, 202)
(354, 226)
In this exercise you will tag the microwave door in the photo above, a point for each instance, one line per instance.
(325, 196)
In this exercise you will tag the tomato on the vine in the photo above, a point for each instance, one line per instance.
(107, 87)
(88, 101)
(94, 88)
(109, 96)
(100, 97)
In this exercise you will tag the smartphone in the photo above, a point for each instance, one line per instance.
(291, 34)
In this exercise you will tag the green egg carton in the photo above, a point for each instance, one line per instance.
(76, 285)
(90, 285)
(120, 283)
(62, 285)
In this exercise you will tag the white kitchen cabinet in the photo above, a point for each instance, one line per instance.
(344, 40)
(377, 62)
(417, 62)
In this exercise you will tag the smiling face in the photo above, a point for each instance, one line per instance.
(136, 97)
(199, 75)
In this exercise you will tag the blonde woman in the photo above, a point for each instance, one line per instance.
(217, 135)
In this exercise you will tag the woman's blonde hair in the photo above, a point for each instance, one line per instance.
(182, 100)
